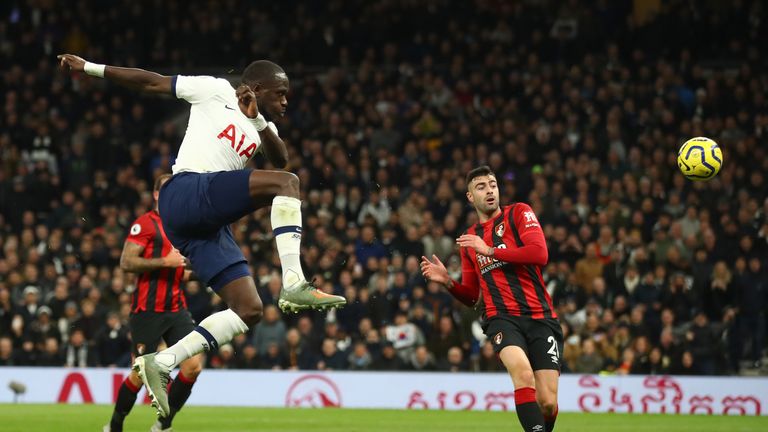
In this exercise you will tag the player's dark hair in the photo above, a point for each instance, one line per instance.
(480, 171)
(160, 180)
(261, 71)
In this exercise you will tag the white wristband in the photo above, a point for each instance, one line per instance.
(259, 122)
(94, 69)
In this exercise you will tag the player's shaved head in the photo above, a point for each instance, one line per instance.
(263, 71)
(480, 171)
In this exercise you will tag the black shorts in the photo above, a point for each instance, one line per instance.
(148, 327)
(541, 339)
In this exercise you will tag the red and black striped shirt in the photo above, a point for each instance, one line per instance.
(510, 282)
(158, 290)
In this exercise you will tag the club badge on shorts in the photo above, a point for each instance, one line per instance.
(497, 339)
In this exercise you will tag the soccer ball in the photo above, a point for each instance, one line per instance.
(699, 159)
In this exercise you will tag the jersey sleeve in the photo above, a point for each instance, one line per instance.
(273, 127)
(468, 291)
(195, 89)
(533, 250)
(527, 224)
(141, 232)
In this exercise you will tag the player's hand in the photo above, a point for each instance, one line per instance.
(246, 99)
(473, 242)
(175, 259)
(434, 271)
(72, 62)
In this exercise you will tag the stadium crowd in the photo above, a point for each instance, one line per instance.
(578, 108)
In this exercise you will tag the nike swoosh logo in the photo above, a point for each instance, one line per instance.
(229, 107)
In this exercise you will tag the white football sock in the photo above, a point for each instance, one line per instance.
(212, 332)
(286, 225)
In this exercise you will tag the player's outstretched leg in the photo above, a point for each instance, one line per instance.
(519, 367)
(245, 310)
(282, 189)
(155, 369)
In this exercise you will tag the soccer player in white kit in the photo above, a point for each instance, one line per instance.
(211, 189)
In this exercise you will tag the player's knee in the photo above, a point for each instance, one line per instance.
(523, 378)
(291, 184)
(192, 368)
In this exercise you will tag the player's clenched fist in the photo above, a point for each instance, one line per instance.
(175, 259)
(246, 99)
(72, 61)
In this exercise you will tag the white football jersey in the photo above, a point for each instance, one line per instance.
(219, 136)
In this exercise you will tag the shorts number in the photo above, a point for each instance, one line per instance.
(553, 349)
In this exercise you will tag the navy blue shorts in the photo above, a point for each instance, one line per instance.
(196, 210)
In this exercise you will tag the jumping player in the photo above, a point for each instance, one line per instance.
(158, 310)
(501, 257)
(211, 189)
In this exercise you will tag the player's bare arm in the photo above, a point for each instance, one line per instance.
(131, 259)
(135, 79)
(275, 97)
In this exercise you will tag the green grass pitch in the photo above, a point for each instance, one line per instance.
(81, 418)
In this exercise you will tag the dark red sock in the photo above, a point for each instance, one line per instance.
(549, 421)
(126, 398)
(178, 394)
(528, 411)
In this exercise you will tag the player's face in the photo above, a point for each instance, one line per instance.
(483, 194)
(273, 97)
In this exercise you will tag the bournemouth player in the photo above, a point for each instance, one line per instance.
(211, 189)
(501, 258)
(159, 310)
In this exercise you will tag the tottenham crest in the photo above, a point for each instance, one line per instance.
(500, 230)
(497, 339)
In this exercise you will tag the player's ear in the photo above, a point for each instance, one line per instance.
(469, 197)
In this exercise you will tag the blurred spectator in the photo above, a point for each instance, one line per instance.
(270, 330)
(381, 131)
(488, 360)
(404, 336)
(589, 362)
(751, 300)
(112, 343)
(388, 360)
(330, 357)
(6, 351)
(51, 353)
(454, 361)
(421, 360)
(248, 358)
(359, 358)
(77, 352)
(224, 358)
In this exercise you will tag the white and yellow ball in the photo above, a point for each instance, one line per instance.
(699, 159)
